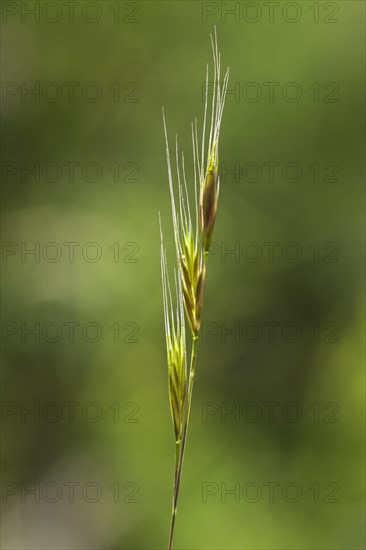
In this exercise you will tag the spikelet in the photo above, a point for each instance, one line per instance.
(175, 345)
(210, 184)
(187, 241)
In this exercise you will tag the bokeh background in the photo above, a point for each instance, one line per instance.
(92, 467)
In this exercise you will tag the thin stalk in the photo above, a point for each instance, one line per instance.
(181, 444)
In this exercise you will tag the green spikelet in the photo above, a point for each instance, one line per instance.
(176, 347)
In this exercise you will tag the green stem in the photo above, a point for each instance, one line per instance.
(181, 445)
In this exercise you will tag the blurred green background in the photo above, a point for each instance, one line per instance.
(102, 422)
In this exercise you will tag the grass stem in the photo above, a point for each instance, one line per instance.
(181, 444)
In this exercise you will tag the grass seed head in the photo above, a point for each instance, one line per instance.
(192, 242)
